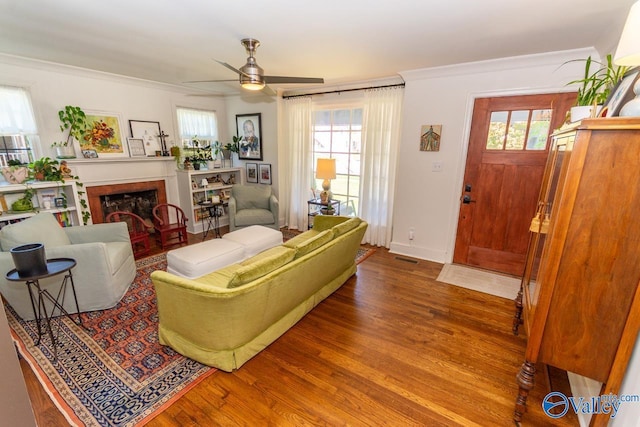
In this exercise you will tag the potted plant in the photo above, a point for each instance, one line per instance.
(15, 172)
(231, 147)
(73, 120)
(46, 169)
(24, 203)
(595, 87)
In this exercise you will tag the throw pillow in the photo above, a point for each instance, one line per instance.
(309, 244)
(261, 265)
(41, 228)
(346, 226)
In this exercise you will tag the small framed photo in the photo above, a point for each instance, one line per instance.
(621, 93)
(265, 173)
(90, 154)
(226, 194)
(136, 147)
(252, 172)
(430, 137)
(249, 128)
(59, 202)
(149, 132)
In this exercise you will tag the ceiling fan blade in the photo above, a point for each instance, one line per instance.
(206, 95)
(268, 91)
(235, 70)
(210, 81)
(285, 79)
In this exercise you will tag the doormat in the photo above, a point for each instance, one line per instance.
(480, 280)
(114, 373)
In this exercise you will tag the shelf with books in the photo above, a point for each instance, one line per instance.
(218, 183)
(59, 198)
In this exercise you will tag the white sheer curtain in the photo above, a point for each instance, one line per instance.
(16, 114)
(381, 128)
(295, 143)
(193, 122)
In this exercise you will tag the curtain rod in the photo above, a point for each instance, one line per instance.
(342, 90)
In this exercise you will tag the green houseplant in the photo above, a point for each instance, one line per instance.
(595, 85)
(47, 169)
(231, 147)
(73, 120)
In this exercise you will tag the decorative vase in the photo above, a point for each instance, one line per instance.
(227, 155)
(583, 112)
(29, 259)
(15, 174)
(65, 152)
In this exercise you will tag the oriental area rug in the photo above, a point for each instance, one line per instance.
(113, 372)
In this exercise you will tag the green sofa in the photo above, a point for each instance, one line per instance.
(226, 317)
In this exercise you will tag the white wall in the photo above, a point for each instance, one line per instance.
(429, 201)
(267, 106)
(52, 86)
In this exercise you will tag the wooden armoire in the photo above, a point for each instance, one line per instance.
(580, 298)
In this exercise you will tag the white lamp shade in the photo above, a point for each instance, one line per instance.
(326, 169)
(628, 51)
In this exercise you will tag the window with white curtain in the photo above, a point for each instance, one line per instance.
(18, 131)
(337, 134)
(197, 124)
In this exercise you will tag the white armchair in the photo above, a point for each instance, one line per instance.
(105, 264)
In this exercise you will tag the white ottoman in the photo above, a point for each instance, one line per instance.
(202, 258)
(255, 239)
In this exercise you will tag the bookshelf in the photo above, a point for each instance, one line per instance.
(59, 198)
(191, 192)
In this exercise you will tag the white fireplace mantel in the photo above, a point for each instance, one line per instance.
(121, 170)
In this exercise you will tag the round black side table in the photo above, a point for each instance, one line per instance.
(55, 266)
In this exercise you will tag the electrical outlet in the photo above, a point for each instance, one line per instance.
(437, 166)
(412, 233)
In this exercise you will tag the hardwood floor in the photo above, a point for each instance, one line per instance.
(391, 347)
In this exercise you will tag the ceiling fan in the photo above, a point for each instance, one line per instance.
(251, 75)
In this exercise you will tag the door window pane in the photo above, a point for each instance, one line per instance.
(517, 130)
(539, 129)
(497, 130)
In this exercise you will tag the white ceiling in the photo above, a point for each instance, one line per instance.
(343, 41)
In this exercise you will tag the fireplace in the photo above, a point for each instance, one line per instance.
(136, 197)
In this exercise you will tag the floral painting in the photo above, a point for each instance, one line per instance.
(103, 135)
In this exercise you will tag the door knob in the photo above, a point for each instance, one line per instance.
(466, 199)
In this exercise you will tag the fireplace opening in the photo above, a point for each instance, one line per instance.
(140, 203)
(137, 197)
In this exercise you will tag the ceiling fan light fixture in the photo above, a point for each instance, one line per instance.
(253, 86)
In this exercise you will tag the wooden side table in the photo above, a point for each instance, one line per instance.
(55, 266)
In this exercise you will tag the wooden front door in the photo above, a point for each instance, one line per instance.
(508, 148)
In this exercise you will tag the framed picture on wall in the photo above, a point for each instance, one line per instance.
(136, 147)
(103, 135)
(265, 173)
(252, 172)
(249, 128)
(149, 132)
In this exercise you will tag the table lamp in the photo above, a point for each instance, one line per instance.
(628, 54)
(326, 169)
